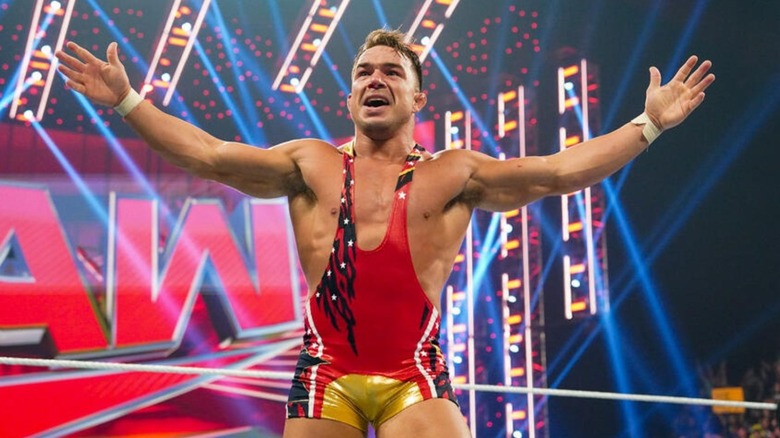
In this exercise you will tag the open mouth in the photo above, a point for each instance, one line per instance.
(376, 102)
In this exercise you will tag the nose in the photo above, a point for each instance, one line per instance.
(376, 81)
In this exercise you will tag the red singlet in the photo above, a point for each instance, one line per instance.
(371, 334)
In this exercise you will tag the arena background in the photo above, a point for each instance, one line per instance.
(691, 235)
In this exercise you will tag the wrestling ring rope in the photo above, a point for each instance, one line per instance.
(278, 375)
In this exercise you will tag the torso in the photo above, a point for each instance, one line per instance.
(370, 329)
(436, 220)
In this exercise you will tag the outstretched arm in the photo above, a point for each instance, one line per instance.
(503, 185)
(259, 172)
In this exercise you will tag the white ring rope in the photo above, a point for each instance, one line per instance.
(279, 375)
(114, 366)
(619, 396)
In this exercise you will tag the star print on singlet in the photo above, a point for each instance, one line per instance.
(336, 288)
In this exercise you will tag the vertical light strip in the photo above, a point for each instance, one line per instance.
(296, 44)
(304, 41)
(590, 248)
(503, 233)
(562, 138)
(528, 335)
(503, 225)
(510, 427)
(28, 50)
(450, 323)
(586, 134)
(564, 198)
(418, 20)
(527, 313)
(53, 60)
(507, 357)
(434, 15)
(588, 222)
(448, 130)
(451, 9)
(156, 280)
(564, 201)
(321, 46)
(567, 286)
(521, 119)
(431, 41)
(470, 301)
(561, 92)
(468, 130)
(565, 217)
(160, 47)
(501, 116)
(183, 60)
(110, 267)
(505, 312)
(328, 33)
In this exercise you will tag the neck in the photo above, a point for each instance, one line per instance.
(395, 148)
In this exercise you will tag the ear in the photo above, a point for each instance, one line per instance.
(420, 99)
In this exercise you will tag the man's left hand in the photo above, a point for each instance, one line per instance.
(668, 105)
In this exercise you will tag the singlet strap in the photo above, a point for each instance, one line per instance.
(405, 177)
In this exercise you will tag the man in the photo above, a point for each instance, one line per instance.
(399, 215)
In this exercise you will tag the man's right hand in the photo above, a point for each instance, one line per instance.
(104, 83)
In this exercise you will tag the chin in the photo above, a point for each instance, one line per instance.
(377, 130)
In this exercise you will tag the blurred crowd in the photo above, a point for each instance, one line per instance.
(760, 382)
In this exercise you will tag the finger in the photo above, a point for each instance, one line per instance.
(655, 79)
(70, 61)
(686, 68)
(69, 73)
(694, 78)
(85, 55)
(112, 54)
(75, 86)
(703, 84)
(695, 102)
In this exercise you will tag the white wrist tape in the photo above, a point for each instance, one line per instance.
(650, 131)
(132, 100)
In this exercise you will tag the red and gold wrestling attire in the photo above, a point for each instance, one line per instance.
(371, 334)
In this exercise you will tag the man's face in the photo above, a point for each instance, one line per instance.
(384, 93)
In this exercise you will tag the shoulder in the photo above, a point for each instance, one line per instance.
(318, 163)
(448, 173)
(459, 159)
(459, 155)
(308, 154)
(305, 146)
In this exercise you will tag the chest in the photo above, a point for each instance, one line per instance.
(426, 193)
(428, 197)
(374, 190)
